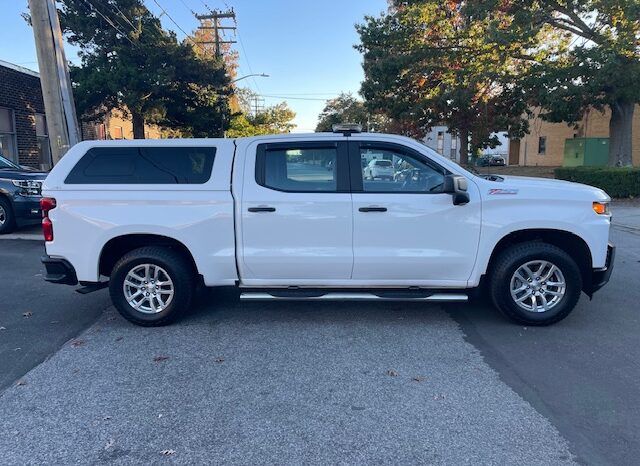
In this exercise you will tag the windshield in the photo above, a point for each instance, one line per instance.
(4, 163)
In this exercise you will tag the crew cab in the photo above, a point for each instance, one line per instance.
(292, 217)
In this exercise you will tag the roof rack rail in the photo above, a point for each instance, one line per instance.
(347, 128)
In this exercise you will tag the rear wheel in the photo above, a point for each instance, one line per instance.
(152, 286)
(7, 219)
(535, 283)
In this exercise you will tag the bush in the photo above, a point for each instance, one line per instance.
(617, 182)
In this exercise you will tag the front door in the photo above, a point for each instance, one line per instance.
(406, 230)
(297, 215)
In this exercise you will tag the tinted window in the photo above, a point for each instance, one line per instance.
(298, 169)
(402, 173)
(144, 165)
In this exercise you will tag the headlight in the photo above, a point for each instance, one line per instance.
(28, 187)
(601, 208)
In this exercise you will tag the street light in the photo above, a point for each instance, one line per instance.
(261, 75)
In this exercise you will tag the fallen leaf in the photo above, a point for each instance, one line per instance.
(54, 322)
(119, 338)
(219, 359)
(77, 343)
(27, 314)
(167, 452)
(392, 373)
(439, 397)
(109, 444)
(21, 383)
(3, 328)
(17, 349)
(160, 358)
(419, 379)
(106, 418)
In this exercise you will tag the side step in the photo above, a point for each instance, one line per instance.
(285, 295)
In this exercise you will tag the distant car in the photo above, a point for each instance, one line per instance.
(379, 169)
(491, 161)
(20, 193)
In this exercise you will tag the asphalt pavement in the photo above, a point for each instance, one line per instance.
(309, 383)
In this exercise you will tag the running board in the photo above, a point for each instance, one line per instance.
(350, 296)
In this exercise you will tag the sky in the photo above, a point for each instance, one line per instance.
(305, 46)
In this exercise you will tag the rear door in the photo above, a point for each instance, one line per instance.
(296, 214)
(406, 230)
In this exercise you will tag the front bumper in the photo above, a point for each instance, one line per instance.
(27, 209)
(59, 271)
(600, 277)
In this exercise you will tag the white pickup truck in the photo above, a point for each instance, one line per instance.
(293, 217)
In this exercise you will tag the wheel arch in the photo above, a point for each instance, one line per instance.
(118, 246)
(575, 246)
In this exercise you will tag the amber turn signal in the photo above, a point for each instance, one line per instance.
(601, 208)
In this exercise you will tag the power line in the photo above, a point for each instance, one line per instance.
(125, 17)
(188, 7)
(110, 22)
(293, 98)
(178, 26)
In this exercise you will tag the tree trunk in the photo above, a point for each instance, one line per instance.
(620, 128)
(138, 125)
(464, 146)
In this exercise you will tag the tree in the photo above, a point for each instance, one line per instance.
(347, 109)
(276, 119)
(430, 62)
(600, 70)
(130, 63)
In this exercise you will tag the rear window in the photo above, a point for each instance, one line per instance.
(383, 163)
(144, 165)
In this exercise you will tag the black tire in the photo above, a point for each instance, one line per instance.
(176, 266)
(6, 212)
(511, 259)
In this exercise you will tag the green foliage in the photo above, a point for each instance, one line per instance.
(134, 65)
(273, 120)
(347, 109)
(432, 62)
(617, 182)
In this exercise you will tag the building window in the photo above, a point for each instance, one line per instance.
(542, 145)
(117, 132)
(454, 148)
(8, 135)
(440, 143)
(42, 136)
(101, 131)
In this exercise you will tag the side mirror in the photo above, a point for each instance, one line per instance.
(457, 186)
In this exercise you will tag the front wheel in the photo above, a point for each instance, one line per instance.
(535, 283)
(151, 286)
(7, 219)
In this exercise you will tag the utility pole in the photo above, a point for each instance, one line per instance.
(54, 78)
(214, 22)
(258, 105)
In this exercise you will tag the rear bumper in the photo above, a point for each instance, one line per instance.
(59, 271)
(600, 277)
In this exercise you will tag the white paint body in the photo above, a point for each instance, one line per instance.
(315, 239)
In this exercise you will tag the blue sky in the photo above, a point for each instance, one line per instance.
(305, 46)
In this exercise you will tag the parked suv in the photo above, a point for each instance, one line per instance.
(19, 195)
(379, 169)
(153, 219)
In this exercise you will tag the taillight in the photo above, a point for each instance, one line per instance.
(47, 204)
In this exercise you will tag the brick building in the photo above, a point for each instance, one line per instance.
(23, 129)
(544, 145)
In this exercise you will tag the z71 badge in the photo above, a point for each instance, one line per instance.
(503, 191)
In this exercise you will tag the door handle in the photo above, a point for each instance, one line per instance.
(262, 209)
(372, 209)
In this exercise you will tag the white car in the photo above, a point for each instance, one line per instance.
(379, 169)
(154, 219)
